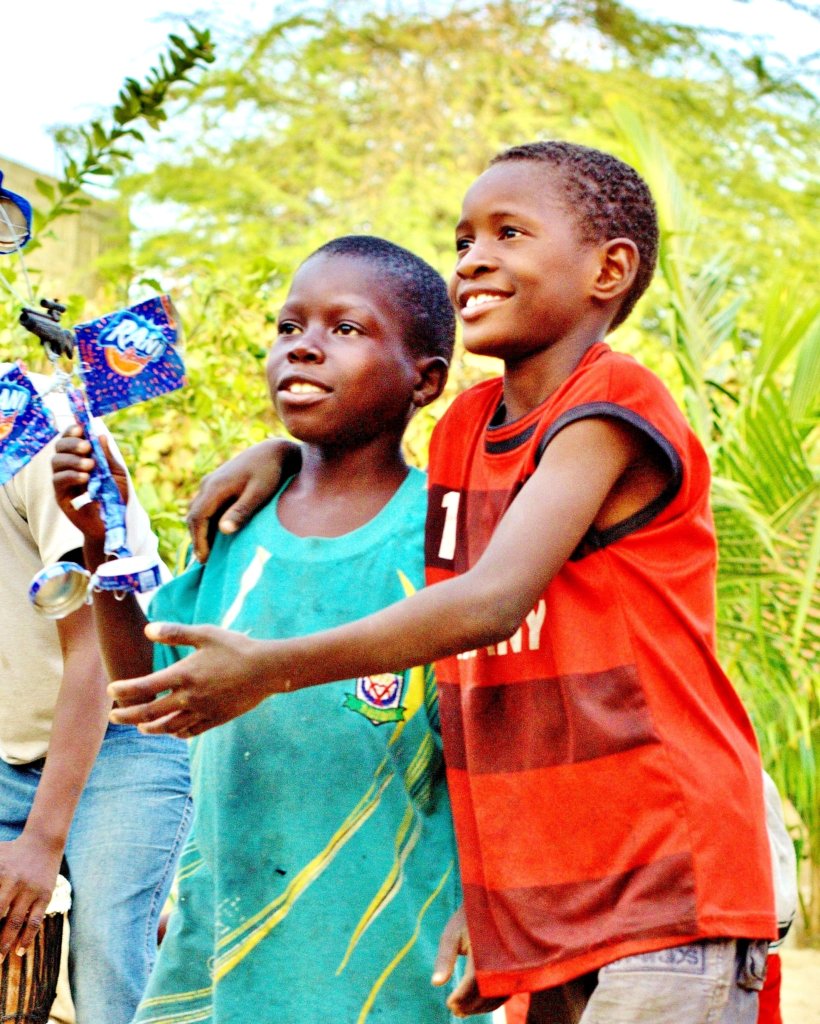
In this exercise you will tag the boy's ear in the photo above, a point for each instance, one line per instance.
(432, 376)
(619, 261)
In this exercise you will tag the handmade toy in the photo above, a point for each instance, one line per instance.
(126, 357)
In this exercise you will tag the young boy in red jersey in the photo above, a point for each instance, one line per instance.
(604, 776)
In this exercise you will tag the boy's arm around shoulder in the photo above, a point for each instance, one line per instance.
(228, 673)
(229, 497)
(120, 624)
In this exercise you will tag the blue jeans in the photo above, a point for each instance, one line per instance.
(120, 857)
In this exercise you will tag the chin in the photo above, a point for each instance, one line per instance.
(485, 346)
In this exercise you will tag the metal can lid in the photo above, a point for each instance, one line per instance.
(59, 589)
(133, 574)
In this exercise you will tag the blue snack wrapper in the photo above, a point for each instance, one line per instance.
(130, 356)
(25, 424)
(102, 487)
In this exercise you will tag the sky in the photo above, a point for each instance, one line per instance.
(65, 62)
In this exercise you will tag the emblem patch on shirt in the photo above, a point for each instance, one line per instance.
(378, 698)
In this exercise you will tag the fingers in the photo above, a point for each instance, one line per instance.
(469, 1002)
(72, 466)
(215, 492)
(137, 711)
(147, 698)
(237, 490)
(233, 515)
(177, 634)
(32, 926)
(72, 463)
(462, 997)
(128, 693)
(252, 498)
(451, 945)
(466, 999)
(198, 529)
(181, 724)
(22, 919)
(177, 723)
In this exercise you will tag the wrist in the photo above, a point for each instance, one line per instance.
(262, 654)
(94, 553)
(46, 837)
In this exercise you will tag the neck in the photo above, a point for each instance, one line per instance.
(339, 491)
(531, 380)
(378, 463)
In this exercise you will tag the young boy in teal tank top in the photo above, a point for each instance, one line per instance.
(321, 867)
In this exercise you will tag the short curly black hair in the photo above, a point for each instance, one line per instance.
(608, 198)
(420, 291)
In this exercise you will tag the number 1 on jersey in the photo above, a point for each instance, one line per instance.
(449, 503)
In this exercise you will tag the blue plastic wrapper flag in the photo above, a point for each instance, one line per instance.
(25, 423)
(130, 356)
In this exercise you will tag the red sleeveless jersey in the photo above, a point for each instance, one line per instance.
(604, 776)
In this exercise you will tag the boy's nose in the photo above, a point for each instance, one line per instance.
(475, 261)
(305, 351)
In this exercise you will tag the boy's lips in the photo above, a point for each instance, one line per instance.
(302, 389)
(477, 301)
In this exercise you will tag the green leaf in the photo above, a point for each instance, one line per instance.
(805, 396)
(45, 188)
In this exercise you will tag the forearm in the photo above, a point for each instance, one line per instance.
(227, 674)
(457, 615)
(484, 606)
(120, 625)
(79, 723)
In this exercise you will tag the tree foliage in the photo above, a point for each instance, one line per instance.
(340, 118)
(98, 151)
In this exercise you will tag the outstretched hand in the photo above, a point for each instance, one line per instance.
(219, 681)
(236, 491)
(465, 999)
(72, 466)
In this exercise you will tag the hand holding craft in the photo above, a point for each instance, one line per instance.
(72, 466)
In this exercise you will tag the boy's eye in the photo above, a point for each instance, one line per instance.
(287, 327)
(509, 232)
(463, 244)
(346, 328)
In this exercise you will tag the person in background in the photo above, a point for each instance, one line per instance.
(108, 804)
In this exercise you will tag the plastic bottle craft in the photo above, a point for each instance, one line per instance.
(125, 357)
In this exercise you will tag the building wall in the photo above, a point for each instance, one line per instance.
(68, 262)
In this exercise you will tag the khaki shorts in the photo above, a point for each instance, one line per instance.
(709, 982)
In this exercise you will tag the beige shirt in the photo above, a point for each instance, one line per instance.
(33, 533)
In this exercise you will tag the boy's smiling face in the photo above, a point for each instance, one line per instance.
(340, 372)
(523, 277)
